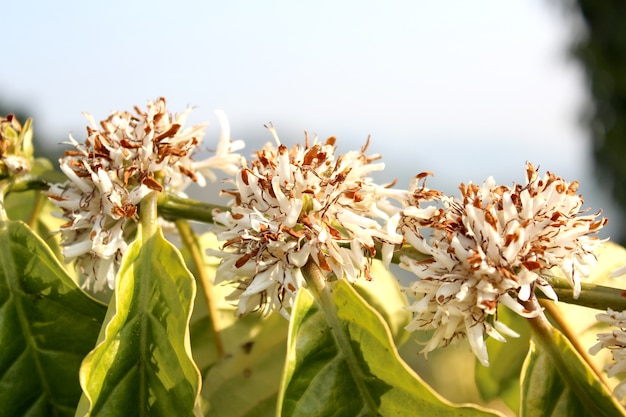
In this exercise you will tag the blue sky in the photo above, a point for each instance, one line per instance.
(462, 89)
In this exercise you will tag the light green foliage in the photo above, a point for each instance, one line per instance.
(142, 364)
(47, 326)
(556, 382)
(341, 361)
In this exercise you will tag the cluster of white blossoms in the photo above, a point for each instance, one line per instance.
(616, 343)
(492, 246)
(123, 159)
(299, 205)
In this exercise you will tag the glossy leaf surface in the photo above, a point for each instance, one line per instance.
(142, 365)
(557, 382)
(47, 326)
(341, 361)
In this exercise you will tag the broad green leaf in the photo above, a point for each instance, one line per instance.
(245, 381)
(582, 320)
(384, 294)
(142, 364)
(47, 326)
(502, 377)
(557, 382)
(341, 361)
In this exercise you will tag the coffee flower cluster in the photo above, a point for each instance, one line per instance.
(16, 146)
(299, 205)
(493, 246)
(307, 205)
(124, 158)
(615, 341)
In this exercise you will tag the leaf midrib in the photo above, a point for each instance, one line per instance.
(8, 266)
(144, 300)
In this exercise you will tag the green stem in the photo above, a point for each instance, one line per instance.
(36, 211)
(28, 183)
(172, 207)
(148, 216)
(398, 252)
(191, 242)
(322, 291)
(591, 295)
(39, 182)
(404, 250)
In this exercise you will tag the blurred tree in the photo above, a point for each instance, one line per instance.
(601, 49)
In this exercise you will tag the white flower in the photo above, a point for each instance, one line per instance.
(492, 246)
(302, 205)
(225, 158)
(123, 159)
(618, 272)
(616, 343)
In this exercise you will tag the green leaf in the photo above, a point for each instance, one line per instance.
(341, 361)
(142, 364)
(502, 377)
(245, 381)
(557, 382)
(47, 326)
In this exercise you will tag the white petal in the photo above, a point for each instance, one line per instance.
(475, 336)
